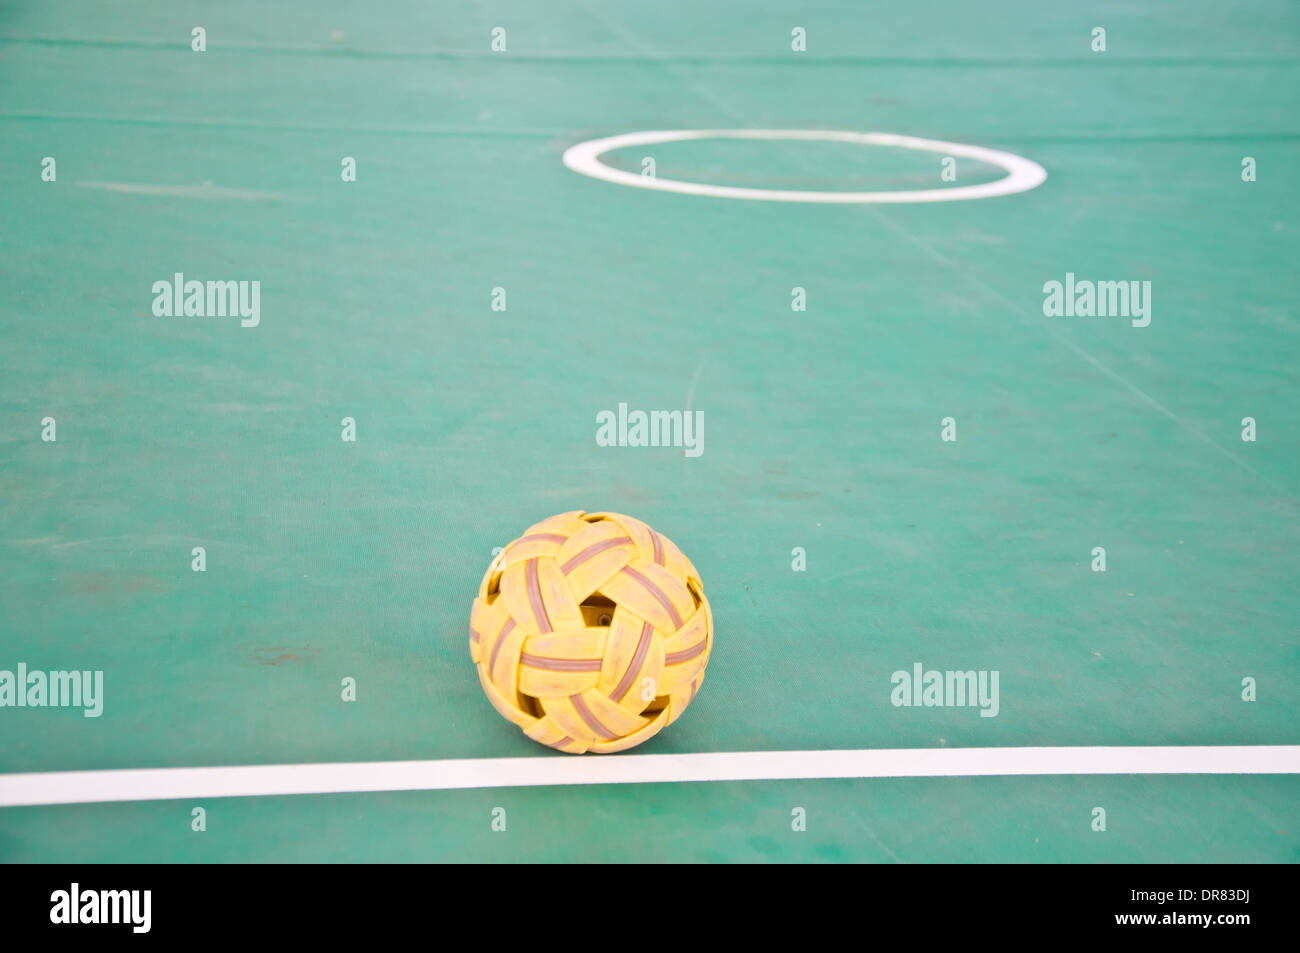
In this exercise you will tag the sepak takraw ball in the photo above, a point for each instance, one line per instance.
(591, 632)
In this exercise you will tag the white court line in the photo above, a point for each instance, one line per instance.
(152, 784)
(1022, 174)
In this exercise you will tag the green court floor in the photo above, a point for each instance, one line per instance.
(328, 559)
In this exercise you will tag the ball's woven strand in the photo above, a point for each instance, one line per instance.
(550, 662)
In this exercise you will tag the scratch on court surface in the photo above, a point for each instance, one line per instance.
(850, 572)
(52, 541)
(666, 65)
(1018, 309)
(883, 846)
(284, 125)
(645, 54)
(690, 394)
(205, 191)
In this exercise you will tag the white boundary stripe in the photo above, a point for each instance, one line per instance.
(1022, 174)
(151, 784)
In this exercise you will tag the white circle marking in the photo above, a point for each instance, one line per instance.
(1022, 174)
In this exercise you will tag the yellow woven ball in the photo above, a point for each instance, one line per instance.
(591, 632)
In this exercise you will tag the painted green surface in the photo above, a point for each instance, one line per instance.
(822, 427)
